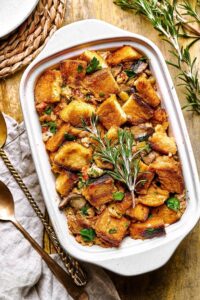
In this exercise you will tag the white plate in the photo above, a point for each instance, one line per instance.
(133, 257)
(13, 13)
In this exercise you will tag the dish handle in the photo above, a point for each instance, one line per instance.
(143, 262)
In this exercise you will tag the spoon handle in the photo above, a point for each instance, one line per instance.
(61, 275)
(71, 264)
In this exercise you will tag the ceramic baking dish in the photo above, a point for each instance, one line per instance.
(134, 256)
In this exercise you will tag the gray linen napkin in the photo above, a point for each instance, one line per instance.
(23, 274)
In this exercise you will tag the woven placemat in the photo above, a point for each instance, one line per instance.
(23, 45)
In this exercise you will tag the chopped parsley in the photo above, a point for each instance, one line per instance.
(84, 210)
(130, 73)
(112, 230)
(173, 203)
(150, 230)
(48, 110)
(52, 126)
(118, 196)
(93, 66)
(69, 137)
(101, 94)
(80, 68)
(88, 234)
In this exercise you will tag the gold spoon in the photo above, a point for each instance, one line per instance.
(71, 264)
(7, 213)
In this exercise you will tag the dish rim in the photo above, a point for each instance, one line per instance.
(120, 37)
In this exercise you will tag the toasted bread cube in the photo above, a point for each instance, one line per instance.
(48, 87)
(77, 111)
(153, 227)
(65, 182)
(139, 212)
(124, 96)
(159, 116)
(161, 142)
(155, 196)
(73, 156)
(55, 168)
(88, 55)
(100, 191)
(144, 179)
(126, 53)
(136, 110)
(110, 113)
(168, 215)
(73, 225)
(117, 209)
(73, 71)
(147, 92)
(56, 140)
(101, 82)
(102, 164)
(112, 133)
(169, 174)
(111, 230)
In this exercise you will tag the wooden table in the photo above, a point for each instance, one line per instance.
(179, 278)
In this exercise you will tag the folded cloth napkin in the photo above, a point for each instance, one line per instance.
(23, 274)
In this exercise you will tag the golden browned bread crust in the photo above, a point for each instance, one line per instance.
(147, 92)
(123, 54)
(101, 82)
(136, 110)
(110, 229)
(110, 113)
(48, 87)
(73, 156)
(169, 174)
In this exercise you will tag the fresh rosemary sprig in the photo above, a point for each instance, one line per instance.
(165, 18)
(190, 11)
(125, 162)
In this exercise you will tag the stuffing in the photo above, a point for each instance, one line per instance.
(76, 111)
(111, 230)
(159, 116)
(73, 225)
(154, 197)
(65, 182)
(153, 227)
(126, 53)
(161, 142)
(118, 208)
(73, 71)
(73, 156)
(101, 82)
(48, 87)
(136, 110)
(147, 92)
(144, 179)
(56, 140)
(168, 215)
(89, 55)
(169, 174)
(139, 212)
(112, 133)
(110, 113)
(102, 164)
(100, 191)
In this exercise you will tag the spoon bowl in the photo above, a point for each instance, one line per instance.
(7, 213)
(7, 210)
(3, 130)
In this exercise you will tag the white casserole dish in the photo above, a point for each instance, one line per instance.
(134, 256)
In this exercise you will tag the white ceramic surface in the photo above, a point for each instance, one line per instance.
(134, 256)
(13, 13)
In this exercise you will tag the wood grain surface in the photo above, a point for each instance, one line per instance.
(180, 278)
